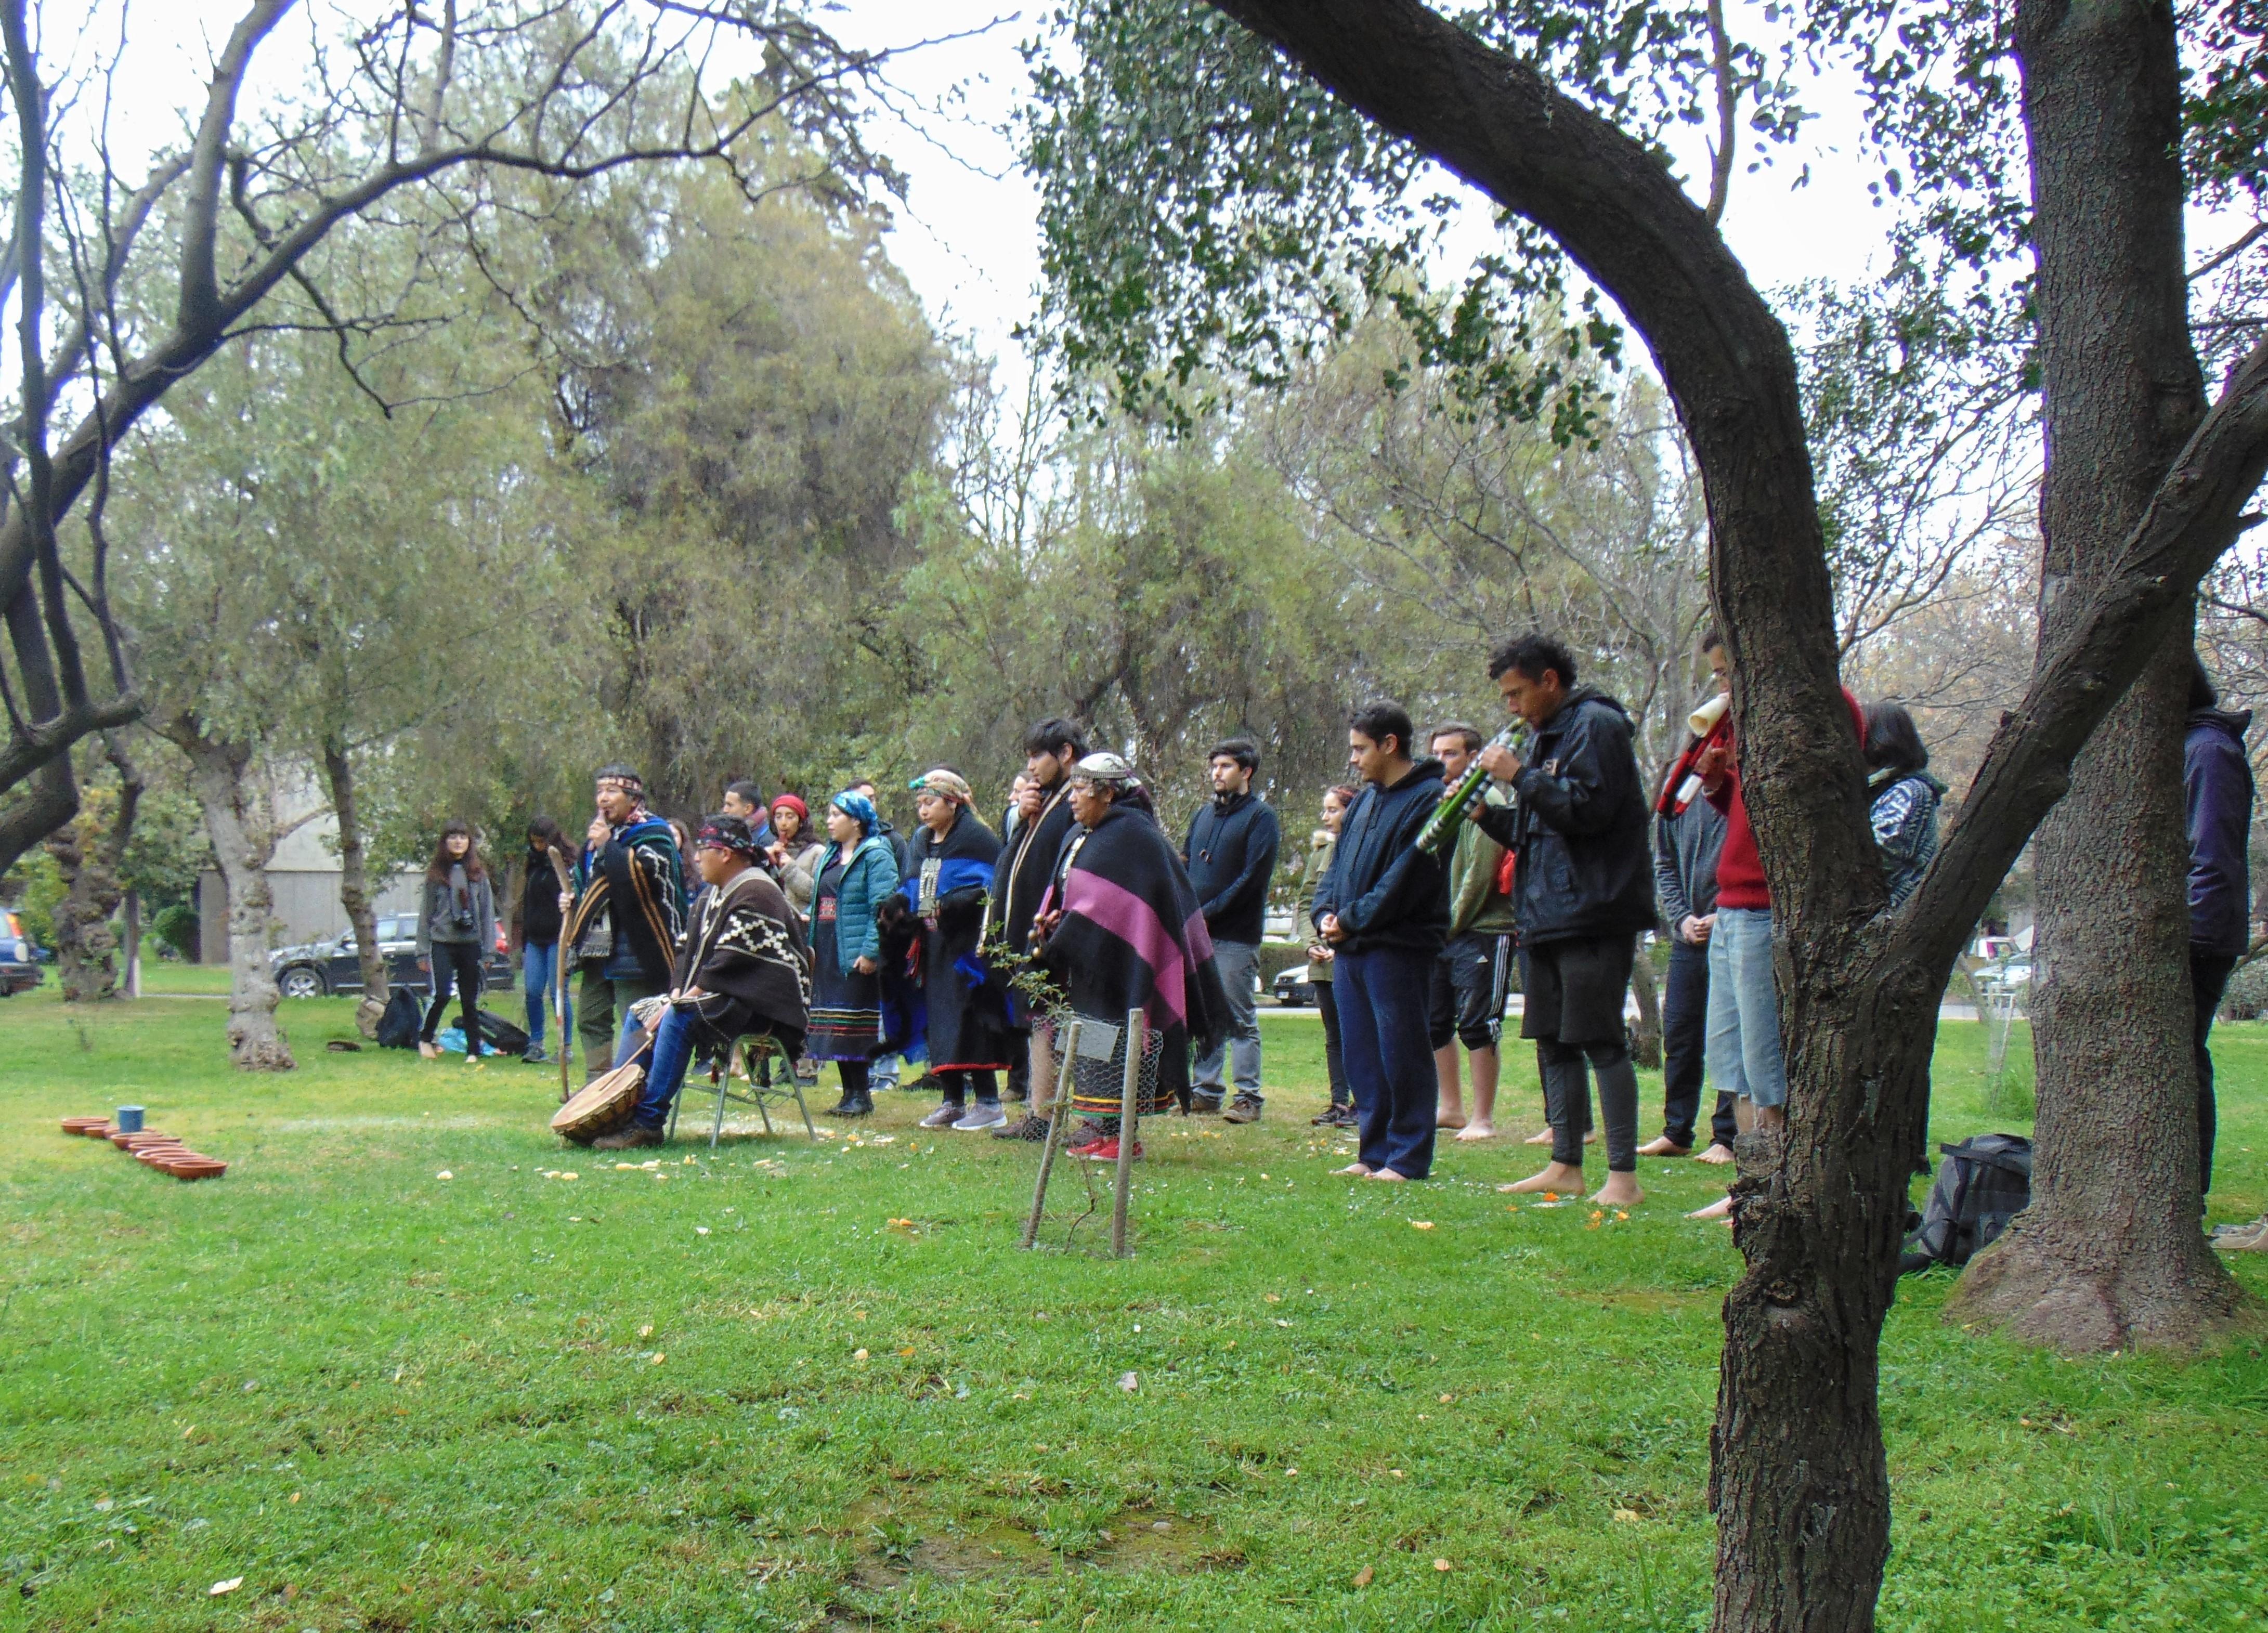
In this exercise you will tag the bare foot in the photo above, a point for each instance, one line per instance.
(1389, 1174)
(1559, 1176)
(1771, 1119)
(1621, 1190)
(1664, 1147)
(430, 1051)
(1592, 1138)
(1476, 1131)
(1544, 1138)
(1718, 1154)
(1450, 1120)
(1722, 1209)
(1354, 1171)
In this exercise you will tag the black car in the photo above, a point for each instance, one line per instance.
(320, 969)
(1293, 990)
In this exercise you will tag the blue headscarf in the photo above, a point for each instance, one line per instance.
(859, 808)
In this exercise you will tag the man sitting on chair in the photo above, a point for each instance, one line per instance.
(743, 970)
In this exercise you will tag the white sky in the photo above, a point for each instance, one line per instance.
(966, 236)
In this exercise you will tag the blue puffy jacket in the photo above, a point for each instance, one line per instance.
(871, 875)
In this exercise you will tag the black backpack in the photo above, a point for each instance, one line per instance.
(1984, 1181)
(500, 1034)
(398, 1026)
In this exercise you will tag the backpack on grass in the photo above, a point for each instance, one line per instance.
(500, 1034)
(1984, 1181)
(397, 1025)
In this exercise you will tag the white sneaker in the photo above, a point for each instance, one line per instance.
(946, 1116)
(986, 1115)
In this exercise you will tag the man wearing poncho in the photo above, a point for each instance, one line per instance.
(626, 915)
(744, 971)
(1121, 929)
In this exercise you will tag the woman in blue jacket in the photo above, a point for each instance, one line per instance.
(857, 872)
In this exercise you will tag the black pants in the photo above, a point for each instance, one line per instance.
(460, 963)
(957, 1082)
(1334, 1057)
(1574, 1012)
(1684, 1030)
(2209, 974)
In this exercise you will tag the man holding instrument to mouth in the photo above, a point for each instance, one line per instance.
(1582, 889)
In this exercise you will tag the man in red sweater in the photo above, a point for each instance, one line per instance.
(1743, 1050)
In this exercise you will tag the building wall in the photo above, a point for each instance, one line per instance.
(306, 907)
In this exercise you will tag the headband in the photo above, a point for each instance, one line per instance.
(952, 784)
(729, 832)
(858, 807)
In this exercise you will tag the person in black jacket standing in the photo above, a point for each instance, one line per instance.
(540, 923)
(1020, 879)
(1583, 888)
(1230, 856)
(1384, 906)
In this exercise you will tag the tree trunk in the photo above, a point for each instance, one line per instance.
(2110, 1253)
(89, 852)
(133, 944)
(353, 884)
(1645, 1037)
(242, 826)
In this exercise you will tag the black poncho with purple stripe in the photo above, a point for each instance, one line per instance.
(1132, 937)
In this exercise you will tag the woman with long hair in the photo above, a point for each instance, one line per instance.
(455, 933)
(539, 922)
(1336, 800)
(1902, 797)
(795, 852)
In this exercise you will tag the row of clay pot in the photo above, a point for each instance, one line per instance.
(161, 1152)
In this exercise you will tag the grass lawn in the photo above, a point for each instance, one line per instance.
(393, 1376)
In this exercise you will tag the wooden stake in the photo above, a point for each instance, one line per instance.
(1055, 1131)
(1129, 1117)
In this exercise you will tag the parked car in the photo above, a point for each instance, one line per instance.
(19, 957)
(316, 969)
(2010, 974)
(1293, 990)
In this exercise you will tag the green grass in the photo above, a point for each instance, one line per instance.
(388, 1399)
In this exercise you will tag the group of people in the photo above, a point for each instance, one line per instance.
(971, 944)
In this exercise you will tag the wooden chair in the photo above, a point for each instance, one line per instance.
(754, 1091)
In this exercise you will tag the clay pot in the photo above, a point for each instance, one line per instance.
(201, 1168)
(85, 1125)
(158, 1156)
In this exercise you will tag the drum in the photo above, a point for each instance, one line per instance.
(604, 1105)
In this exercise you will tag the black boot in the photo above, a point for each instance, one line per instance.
(858, 1103)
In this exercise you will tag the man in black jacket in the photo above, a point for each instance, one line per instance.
(1384, 906)
(1230, 856)
(1583, 888)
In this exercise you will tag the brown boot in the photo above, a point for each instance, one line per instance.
(627, 1139)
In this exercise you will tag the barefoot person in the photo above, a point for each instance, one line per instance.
(1472, 977)
(1384, 909)
(1689, 833)
(1583, 886)
(455, 933)
(743, 971)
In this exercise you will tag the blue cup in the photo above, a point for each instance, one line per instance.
(127, 1120)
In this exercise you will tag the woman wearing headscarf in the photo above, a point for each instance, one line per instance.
(795, 852)
(1121, 929)
(952, 856)
(857, 872)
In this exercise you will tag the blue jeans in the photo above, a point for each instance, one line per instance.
(1743, 1046)
(539, 974)
(664, 1072)
(1237, 961)
(1389, 1060)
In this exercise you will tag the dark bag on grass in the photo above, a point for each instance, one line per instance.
(398, 1026)
(1986, 1181)
(500, 1034)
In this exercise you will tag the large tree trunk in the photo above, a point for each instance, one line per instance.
(2110, 1253)
(1645, 1037)
(242, 825)
(354, 885)
(89, 852)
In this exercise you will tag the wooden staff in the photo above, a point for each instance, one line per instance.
(559, 996)
(1129, 1117)
(1055, 1131)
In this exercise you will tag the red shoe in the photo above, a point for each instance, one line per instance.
(1087, 1148)
(1106, 1150)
